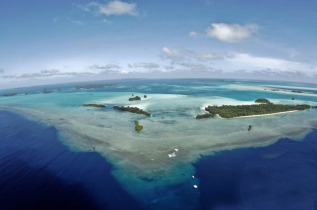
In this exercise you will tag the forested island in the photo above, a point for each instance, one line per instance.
(202, 116)
(262, 101)
(138, 127)
(47, 92)
(95, 105)
(132, 109)
(136, 98)
(10, 94)
(266, 107)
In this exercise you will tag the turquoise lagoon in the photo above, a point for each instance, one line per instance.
(147, 164)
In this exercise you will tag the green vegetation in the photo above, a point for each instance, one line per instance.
(145, 96)
(138, 127)
(94, 86)
(10, 94)
(229, 111)
(262, 101)
(136, 98)
(95, 105)
(132, 109)
(250, 127)
(203, 116)
(265, 107)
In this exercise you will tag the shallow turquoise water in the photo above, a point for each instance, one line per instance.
(142, 162)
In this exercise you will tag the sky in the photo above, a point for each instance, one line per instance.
(46, 42)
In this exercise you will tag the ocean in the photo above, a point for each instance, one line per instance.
(280, 176)
(57, 154)
(38, 172)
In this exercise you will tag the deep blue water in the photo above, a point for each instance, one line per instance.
(280, 176)
(38, 172)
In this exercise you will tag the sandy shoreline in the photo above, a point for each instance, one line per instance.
(260, 115)
(249, 116)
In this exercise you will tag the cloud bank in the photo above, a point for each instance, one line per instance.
(147, 65)
(253, 62)
(52, 73)
(176, 56)
(105, 67)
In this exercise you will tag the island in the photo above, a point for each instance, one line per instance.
(136, 98)
(93, 86)
(275, 90)
(95, 105)
(10, 94)
(297, 91)
(262, 101)
(138, 127)
(47, 92)
(202, 116)
(231, 111)
(132, 109)
(286, 90)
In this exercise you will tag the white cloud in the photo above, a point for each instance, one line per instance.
(171, 54)
(167, 69)
(197, 67)
(205, 56)
(46, 74)
(193, 34)
(147, 65)
(233, 62)
(50, 71)
(124, 72)
(105, 67)
(231, 33)
(113, 8)
(179, 55)
(251, 62)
